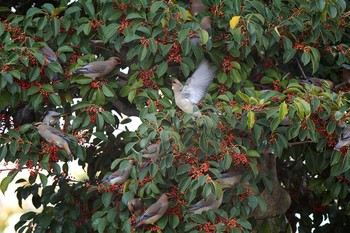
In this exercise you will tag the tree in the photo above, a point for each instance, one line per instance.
(280, 141)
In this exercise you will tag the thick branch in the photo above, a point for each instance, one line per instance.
(126, 109)
(299, 143)
(278, 200)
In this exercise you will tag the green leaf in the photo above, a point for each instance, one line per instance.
(6, 181)
(283, 111)
(253, 153)
(55, 24)
(162, 68)
(106, 198)
(251, 119)
(203, 35)
(183, 34)
(108, 90)
(43, 180)
(89, 8)
(55, 99)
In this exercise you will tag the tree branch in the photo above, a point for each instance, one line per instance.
(299, 143)
(301, 69)
(126, 109)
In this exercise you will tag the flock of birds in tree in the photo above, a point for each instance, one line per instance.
(186, 98)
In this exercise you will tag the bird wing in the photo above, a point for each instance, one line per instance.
(151, 149)
(58, 133)
(196, 86)
(151, 211)
(202, 203)
(93, 67)
(345, 134)
(49, 54)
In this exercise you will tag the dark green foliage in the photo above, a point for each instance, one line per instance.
(240, 123)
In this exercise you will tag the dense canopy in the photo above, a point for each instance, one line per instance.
(269, 121)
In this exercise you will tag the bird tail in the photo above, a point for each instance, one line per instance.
(55, 77)
(67, 149)
(83, 71)
(139, 222)
(339, 145)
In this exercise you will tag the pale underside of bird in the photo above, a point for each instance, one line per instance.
(344, 139)
(154, 212)
(228, 180)
(98, 69)
(152, 151)
(52, 118)
(189, 95)
(204, 205)
(120, 176)
(135, 206)
(54, 136)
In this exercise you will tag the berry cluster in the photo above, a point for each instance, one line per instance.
(175, 53)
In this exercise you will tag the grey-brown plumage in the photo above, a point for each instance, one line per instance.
(228, 180)
(197, 7)
(344, 139)
(205, 205)
(154, 212)
(120, 176)
(52, 118)
(98, 69)
(186, 97)
(50, 56)
(152, 151)
(54, 136)
(135, 206)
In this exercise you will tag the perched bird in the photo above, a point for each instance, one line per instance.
(135, 206)
(344, 139)
(205, 205)
(228, 180)
(50, 56)
(120, 176)
(25, 115)
(98, 69)
(152, 151)
(154, 212)
(205, 25)
(53, 135)
(195, 88)
(197, 7)
(318, 82)
(52, 118)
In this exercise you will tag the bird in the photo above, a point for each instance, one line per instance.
(154, 212)
(152, 151)
(52, 118)
(120, 176)
(228, 180)
(197, 7)
(53, 135)
(50, 56)
(98, 69)
(135, 206)
(25, 115)
(205, 24)
(205, 205)
(344, 139)
(186, 97)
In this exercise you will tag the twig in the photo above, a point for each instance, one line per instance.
(299, 143)
(301, 69)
